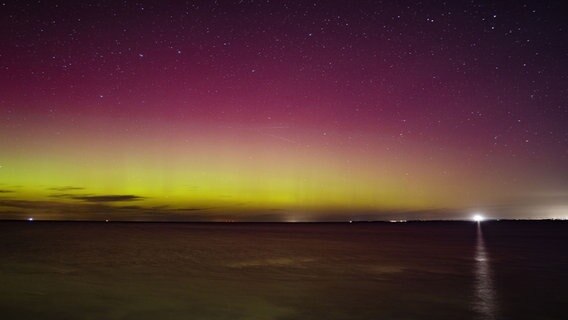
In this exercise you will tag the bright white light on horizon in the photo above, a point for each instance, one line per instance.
(30, 219)
(478, 218)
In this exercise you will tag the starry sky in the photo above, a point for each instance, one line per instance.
(283, 110)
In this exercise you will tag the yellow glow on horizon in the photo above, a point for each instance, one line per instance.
(246, 172)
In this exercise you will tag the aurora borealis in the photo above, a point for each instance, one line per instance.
(282, 111)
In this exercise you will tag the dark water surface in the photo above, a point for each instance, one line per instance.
(437, 270)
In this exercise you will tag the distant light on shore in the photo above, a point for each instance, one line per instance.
(478, 217)
(30, 219)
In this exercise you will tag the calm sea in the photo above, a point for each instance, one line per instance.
(434, 270)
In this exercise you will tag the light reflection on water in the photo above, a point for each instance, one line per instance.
(485, 294)
(442, 271)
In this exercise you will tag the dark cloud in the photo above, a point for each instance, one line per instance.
(66, 188)
(117, 208)
(191, 209)
(62, 195)
(98, 198)
(131, 207)
(6, 191)
(23, 204)
(96, 210)
(11, 214)
(108, 198)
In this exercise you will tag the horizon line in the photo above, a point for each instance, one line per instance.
(391, 221)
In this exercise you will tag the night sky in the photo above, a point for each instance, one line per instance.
(283, 110)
